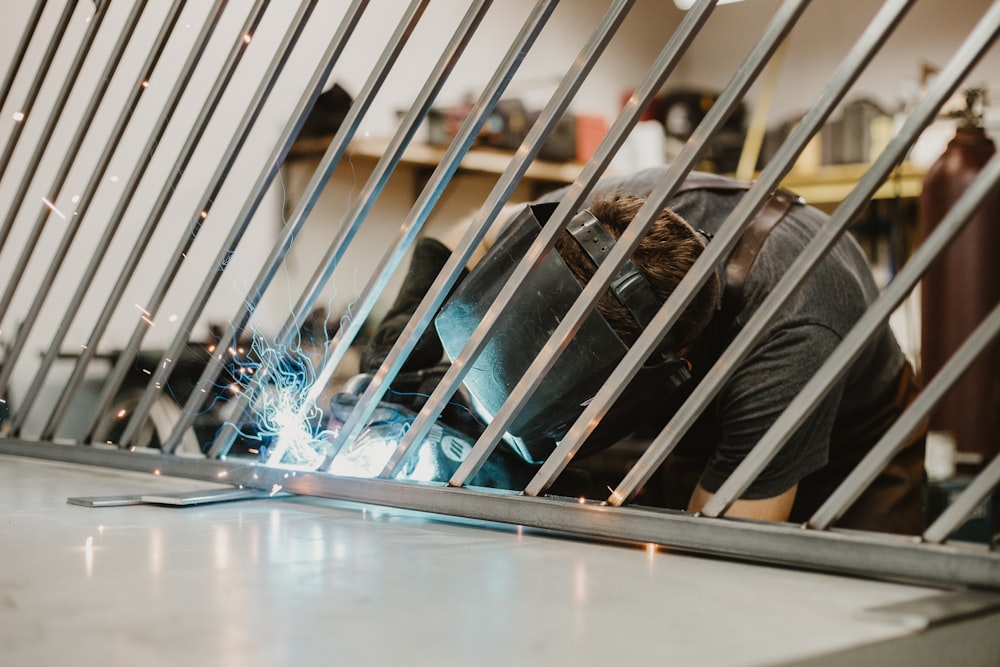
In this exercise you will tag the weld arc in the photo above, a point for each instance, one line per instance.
(373, 188)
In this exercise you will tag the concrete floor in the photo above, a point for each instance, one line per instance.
(284, 581)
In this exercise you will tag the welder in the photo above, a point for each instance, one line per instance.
(833, 439)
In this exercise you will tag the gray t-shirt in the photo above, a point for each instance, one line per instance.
(794, 345)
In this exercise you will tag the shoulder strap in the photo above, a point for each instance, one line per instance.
(742, 258)
(746, 250)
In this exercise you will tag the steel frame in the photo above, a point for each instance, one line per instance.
(929, 558)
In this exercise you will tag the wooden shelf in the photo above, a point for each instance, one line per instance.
(822, 186)
(478, 160)
(829, 185)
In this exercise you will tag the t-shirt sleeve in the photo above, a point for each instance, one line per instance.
(757, 394)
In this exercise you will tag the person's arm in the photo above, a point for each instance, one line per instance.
(776, 508)
(748, 405)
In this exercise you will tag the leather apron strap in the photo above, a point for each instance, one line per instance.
(742, 258)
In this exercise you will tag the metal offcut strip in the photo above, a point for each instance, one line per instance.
(889, 557)
(924, 112)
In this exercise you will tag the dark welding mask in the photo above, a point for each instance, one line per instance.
(519, 335)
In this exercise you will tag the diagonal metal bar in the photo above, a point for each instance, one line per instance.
(27, 174)
(978, 490)
(887, 446)
(924, 112)
(404, 29)
(89, 191)
(200, 300)
(625, 246)
(429, 196)
(720, 247)
(487, 214)
(41, 291)
(32, 95)
(124, 200)
(908, 424)
(418, 213)
(202, 210)
(359, 210)
(331, 158)
(22, 48)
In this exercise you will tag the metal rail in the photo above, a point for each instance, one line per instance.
(934, 556)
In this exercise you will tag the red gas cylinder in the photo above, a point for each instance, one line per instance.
(959, 290)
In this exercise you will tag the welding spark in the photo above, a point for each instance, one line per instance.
(247, 38)
(52, 207)
(284, 418)
(280, 384)
(18, 116)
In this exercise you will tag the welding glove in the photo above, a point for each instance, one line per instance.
(435, 459)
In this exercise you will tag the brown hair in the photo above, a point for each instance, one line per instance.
(664, 256)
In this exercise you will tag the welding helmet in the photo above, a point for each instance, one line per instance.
(520, 333)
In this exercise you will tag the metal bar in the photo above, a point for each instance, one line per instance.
(967, 502)
(712, 257)
(429, 195)
(202, 210)
(373, 187)
(125, 199)
(384, 168)
(28, 173)
(888, 557)
(22, 48)
(41, 291)
(487, 214)
(924, 112)
(97, 255)
(31, 169)
(164, 369)
(625, 246)
(908, 423)
(421, 209)
(294, 225)
(29, 101)
(331, 158)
